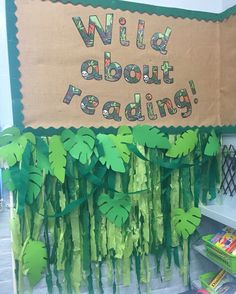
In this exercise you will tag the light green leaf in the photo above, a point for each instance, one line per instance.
(79, 145)
(116, 209)
(12, 153)
(30, 137)
(57, 157)
(35, 183)
(111, 156)
(150, 136)
(8, 136)
(184, 144)
(123, 137)
(34, 261)
(186, 222)
(213, 145)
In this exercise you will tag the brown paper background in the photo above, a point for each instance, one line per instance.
(52, 51)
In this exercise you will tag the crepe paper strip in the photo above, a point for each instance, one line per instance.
(35, 183)
(16, 235)
(124, 136)
(117, 209)
(79, 145)
(174, 200)
(184, 144)
(34, 261)
(150, 136)
(111, 158)
(9, 135)
(57, 157)
(213, 145)
(42, 155)
(187, 222)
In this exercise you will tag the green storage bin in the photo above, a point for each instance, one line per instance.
(219, 256)
(205, 279)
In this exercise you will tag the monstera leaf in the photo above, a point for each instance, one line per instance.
(57, 157)
(111, 157)
(184, 144)
(8, 136)
(151, 137)
(186, 222)
(213, 145)
(79, 145)
(35, 183)
(116, 209)
(34, 261)
(12, 153)
(123, 137)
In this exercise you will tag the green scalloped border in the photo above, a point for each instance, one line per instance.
(14, 63)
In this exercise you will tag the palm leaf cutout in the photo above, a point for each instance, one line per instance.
(116, 209)
(123, 137)
(150, 136)
(184, 144)
(213, 145)
(12, 153)
(35, 183)
(34, 261)
(186, 222)
(8, 136)
(57, 157)
(79, 145)
(111, 156)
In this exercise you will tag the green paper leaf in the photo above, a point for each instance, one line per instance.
(35, 183)
(30, 137)
(57, 157)
(111, 156)
(116, 209)
(42, 155)
(79, 145)
(186, 222)
(34, 261)
(151, 137)
(184, 144)
(8, 136)
(123, 137)
(12, 153)
(7, 180)
(213, 145)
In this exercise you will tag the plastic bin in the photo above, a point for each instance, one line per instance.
(205, 279)
(224, 259)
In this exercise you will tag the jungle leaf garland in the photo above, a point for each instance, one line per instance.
(80, 187)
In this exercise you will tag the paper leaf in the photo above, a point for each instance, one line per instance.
(30, 137)
(7, 180)
(213, 145)
(150, 136)
(184, 144)
(12, 153)
(34, 261)
(186, 222)
(57, 157)
(35, 183)
(79, 145)
(8, 136)
(111, 156)
(42, 155)
(123, 137)
(116, 209)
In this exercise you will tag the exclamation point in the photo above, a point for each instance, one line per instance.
(193, 89)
